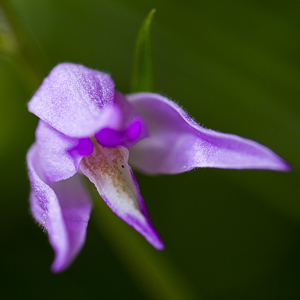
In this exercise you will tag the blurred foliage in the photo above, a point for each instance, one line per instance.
(235, 67)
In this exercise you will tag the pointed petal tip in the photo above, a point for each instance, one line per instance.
(162, 247)
(152, 237)
(159, 246)
(58, 267)
(142, 224)
(272, 162)
(285, 166)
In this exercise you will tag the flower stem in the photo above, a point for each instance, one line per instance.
(150, 268)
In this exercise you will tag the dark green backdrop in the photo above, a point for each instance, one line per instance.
(235, 67)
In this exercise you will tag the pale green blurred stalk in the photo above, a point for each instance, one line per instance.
(16, 47)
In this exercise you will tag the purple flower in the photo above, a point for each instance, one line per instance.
(86, 128)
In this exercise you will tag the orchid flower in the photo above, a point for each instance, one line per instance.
(87, 128)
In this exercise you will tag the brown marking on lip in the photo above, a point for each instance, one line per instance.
(111, 164)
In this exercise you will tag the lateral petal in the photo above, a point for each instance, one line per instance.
(178, 144)
(108, 169)
(62, 208)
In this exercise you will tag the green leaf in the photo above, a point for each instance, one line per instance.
(142, 75)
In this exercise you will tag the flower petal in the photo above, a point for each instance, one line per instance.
(60, 154)
(107, 168)
(178, 144)
(75, 100)
(63, 209)
(131, 129)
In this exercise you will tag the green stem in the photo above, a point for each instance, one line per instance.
(149, 267)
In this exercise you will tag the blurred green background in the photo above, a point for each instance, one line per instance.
(235, 67)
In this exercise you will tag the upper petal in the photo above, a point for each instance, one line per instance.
(63, 209)
(60, 155)
(108, 169)
(178, 144)
(75, 100)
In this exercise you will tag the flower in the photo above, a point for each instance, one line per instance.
(87, 128)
